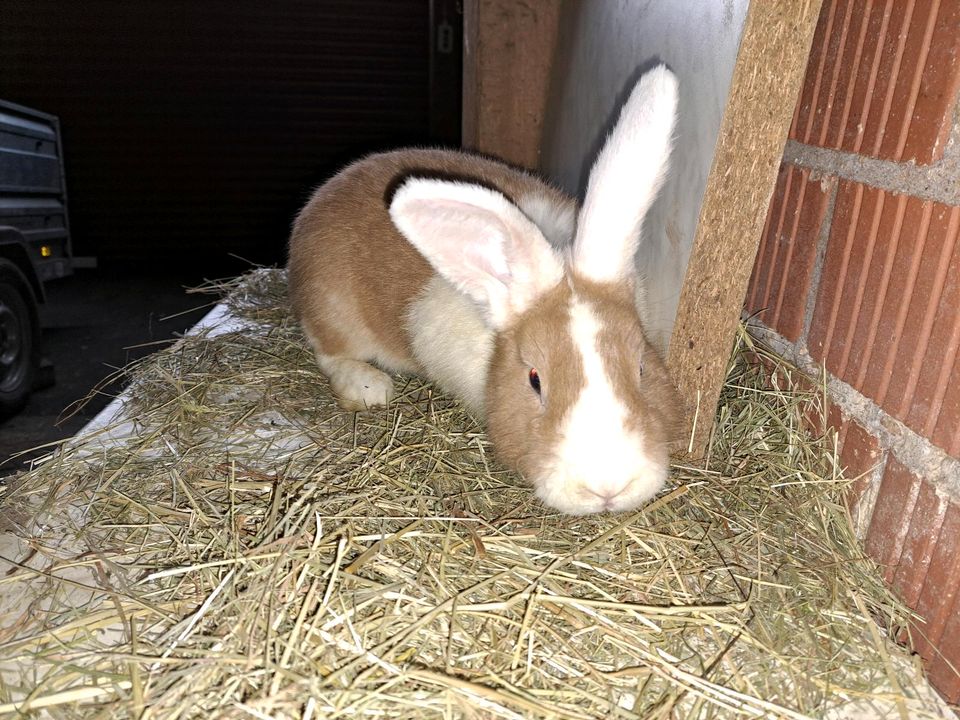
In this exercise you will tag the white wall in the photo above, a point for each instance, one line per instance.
(603, 46)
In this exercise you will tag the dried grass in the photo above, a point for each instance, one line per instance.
(247, 550)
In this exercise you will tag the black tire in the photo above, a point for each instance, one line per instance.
(19, 340)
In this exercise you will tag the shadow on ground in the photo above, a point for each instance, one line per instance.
(94, 323)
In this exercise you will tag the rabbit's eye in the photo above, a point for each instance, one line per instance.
(535, 380)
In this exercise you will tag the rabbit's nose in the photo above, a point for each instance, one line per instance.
(608, 494)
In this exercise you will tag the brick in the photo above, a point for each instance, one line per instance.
(836, 42)
(860, 350)
(863, 91)
(818, 418)
(813, 75)
(858, 246)
(891, 516)
(860, 451)
(944, 665)
(918, 545)
(887, 314)
(890, 45)
(907, 247)
(835, 420)
(853, 55)
(946, 432)
(932, 274)
(882, 79)
(928, 81)
(940, 85)
(783, 268)
(912, 47)
(936, 603)
(925, 408)
(763, 266)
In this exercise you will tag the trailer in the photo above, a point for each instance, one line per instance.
(35, 244)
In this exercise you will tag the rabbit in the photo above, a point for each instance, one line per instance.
(487, 281)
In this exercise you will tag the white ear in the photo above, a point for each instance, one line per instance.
(480, 242)
(625, 179)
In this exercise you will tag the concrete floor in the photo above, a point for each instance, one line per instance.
(94, 323)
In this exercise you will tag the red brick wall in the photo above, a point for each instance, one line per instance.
(858, 272)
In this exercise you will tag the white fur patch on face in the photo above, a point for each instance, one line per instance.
(599, 465)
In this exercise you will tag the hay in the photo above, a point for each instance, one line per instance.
(232, 545)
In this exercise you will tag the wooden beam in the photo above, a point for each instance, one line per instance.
(508, 49)
(766, 82)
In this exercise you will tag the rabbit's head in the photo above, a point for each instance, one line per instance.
(577, 399)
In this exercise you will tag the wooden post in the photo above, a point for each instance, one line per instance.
(508, 51)
(766, 81)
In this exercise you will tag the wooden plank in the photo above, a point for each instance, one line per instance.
(507, 55)
(763, 93)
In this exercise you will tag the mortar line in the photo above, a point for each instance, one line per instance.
(823, 238)
(936, 182)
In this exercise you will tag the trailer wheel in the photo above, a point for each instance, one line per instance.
(19, 339)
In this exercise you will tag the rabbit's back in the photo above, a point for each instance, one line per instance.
(353, 276)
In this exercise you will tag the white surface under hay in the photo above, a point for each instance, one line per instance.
(226, 543)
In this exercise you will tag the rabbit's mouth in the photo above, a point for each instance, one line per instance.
(598, 488)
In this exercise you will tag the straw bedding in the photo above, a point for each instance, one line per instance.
(232, 545)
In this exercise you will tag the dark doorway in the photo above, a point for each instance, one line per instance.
(192, 133)
(194, 130)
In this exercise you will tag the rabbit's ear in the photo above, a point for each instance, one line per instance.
(480, 242)
(625, 179)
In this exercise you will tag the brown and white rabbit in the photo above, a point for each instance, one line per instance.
(485, 280)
